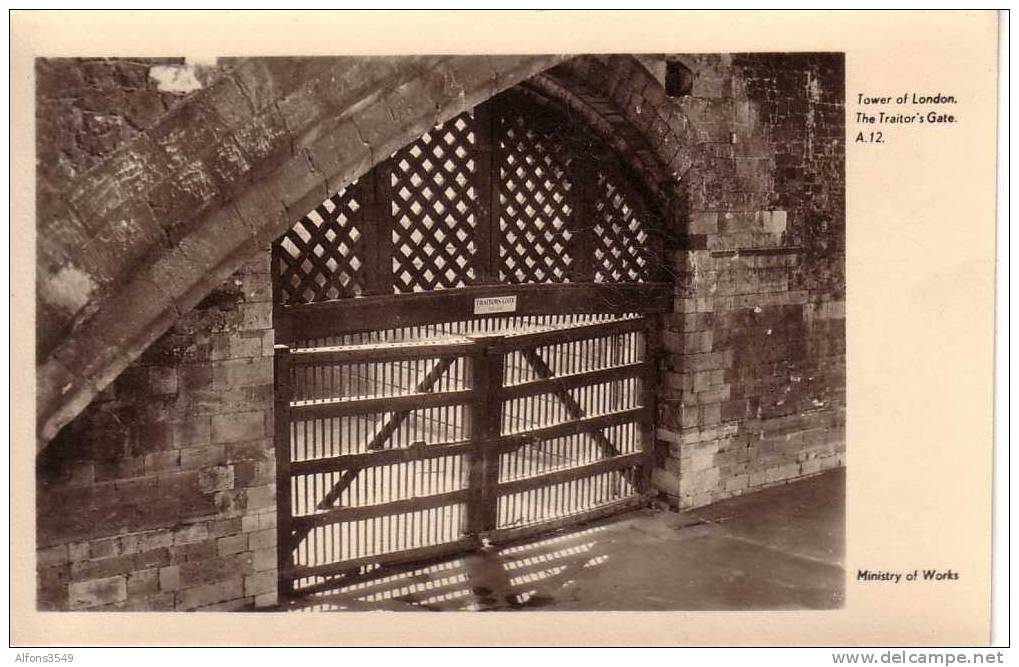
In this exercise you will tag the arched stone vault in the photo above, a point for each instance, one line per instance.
(618, 98)
(235, 164)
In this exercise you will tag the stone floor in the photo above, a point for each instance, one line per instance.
(781, 548)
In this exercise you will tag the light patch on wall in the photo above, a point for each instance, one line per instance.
(774, 222)
(178, 79)
(68, 289)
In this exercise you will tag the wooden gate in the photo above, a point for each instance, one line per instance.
(415, 449)
(465, 346)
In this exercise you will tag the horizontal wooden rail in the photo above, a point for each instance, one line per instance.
(574, 380)
(509, 536)
(308, 521)
(329, 318)
(513, 441)
(382, 560)
(418, 452)
(350, 354)
(325, 408)
(578, 332)
(570, 474)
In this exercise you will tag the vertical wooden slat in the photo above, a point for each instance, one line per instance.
(583, 219)
(493, 408)
(280, 322)
(275, 265)
(485, 420)
(378, 227)
(486, 203)
(651, 343)
(495, 233)
(281, 420)
(476, 459)
(371, 230)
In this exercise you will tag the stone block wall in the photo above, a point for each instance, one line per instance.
(161, 494)
(754, 370)
(86, 110)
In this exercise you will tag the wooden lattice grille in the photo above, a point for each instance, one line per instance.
(322, 257)
(433, 208)
(621, 249)
(535, 214)
(510, 192)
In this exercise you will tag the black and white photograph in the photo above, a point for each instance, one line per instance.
(441, 332)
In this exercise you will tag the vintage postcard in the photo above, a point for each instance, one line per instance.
(507, 312)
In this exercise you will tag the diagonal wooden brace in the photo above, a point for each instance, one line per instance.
(544, 372)
(378, 441)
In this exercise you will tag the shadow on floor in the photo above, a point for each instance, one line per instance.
(781, 548)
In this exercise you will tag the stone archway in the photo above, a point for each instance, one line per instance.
(214, 181)
(178, 210)
(177, 450)
(235, 164)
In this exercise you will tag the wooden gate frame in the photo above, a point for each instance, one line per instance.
(485, 444)
(369, 220)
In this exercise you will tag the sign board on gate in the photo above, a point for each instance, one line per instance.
(495, 304)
